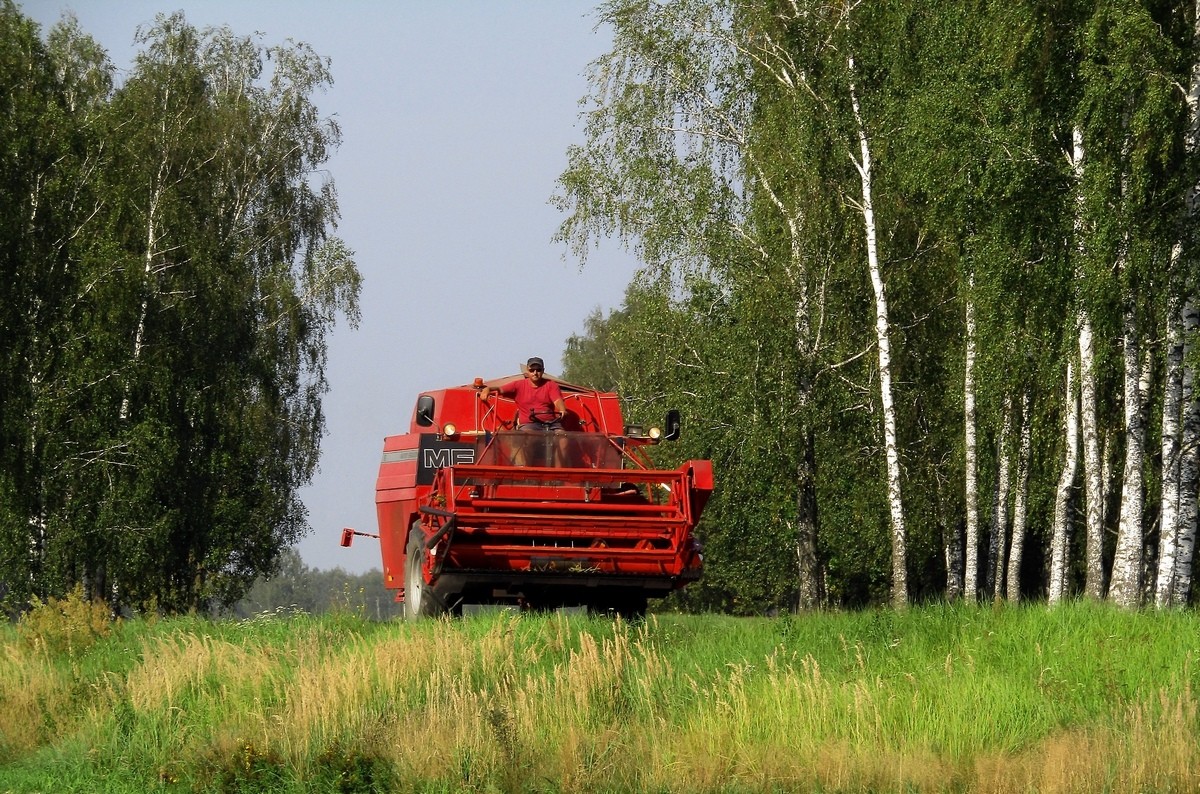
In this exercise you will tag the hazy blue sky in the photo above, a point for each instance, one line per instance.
(455, 117)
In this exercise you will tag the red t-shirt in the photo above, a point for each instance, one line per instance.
(534, 404)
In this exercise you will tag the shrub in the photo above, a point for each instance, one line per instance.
(68, 625)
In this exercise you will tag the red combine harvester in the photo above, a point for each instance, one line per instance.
(473, 510)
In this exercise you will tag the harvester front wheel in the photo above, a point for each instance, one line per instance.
(419, 599)
(629, 606)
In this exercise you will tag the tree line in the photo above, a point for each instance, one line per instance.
(922, 278)
(169, 279)
(295, 588)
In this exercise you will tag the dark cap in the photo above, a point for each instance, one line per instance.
(535, 361)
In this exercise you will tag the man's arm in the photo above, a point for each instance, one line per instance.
(557, 401)
(503, 391)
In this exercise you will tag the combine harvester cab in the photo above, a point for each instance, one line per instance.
(473, 510)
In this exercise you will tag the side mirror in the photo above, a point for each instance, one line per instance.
(671, 426)
(425, 410)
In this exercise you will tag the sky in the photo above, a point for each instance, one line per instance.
(455, 118)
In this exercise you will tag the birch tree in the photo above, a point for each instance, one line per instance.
(1093, 491)
(1020, 502)
(1189, 476)
(194, 282)
(1073, 408)
(1170, 445)
(781, 52)
(244, 278)
(972, 109)
(1126, 584)
(1093, 517)
(883, 348)
(671, 167)
(1180, 428)
(51, 94)
(28, 102)
(970, 446)
(1060, 542)
(999, 529)
(793, 68)
(1134, 119)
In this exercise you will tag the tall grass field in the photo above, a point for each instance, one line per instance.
(1078, 698)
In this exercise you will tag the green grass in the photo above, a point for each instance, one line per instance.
(940, 699)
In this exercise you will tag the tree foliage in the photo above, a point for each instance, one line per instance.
(720, 147)
(175, 279)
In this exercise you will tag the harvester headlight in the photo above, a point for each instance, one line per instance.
(449, 430)
(651, 434)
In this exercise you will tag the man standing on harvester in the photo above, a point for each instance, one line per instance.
(539, 401)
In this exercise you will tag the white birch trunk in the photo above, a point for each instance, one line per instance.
(1000, 514)
(38, 535)
(1168, 535)
(1092, 475)
(1061, 537)
(1092, 467)
(952, 551)
(899, 553)
(1110, 473)
(1126, 587)
(1189, 465)
(1085, 408)
(151, 244)
(1020, 502)
(971, 473)
(1145, 389)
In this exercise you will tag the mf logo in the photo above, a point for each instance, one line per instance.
(438, 457)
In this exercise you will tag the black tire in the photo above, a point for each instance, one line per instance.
(419, 599)
(629, 607)
(633, 608)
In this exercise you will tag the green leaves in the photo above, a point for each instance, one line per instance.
(720, 147)
(175, 389)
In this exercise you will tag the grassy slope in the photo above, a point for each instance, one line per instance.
(1079, 698)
